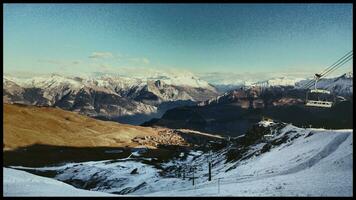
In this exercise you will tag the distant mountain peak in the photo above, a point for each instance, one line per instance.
(348, 75)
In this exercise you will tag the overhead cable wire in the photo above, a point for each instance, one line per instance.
(332, 68)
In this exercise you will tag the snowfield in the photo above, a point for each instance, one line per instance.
(319, 165)
(291, 161)
(20, 183)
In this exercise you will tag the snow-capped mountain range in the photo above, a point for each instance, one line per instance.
(341, 85)
(280, 81)
(108, 80)
(105, 95)
(137, 98)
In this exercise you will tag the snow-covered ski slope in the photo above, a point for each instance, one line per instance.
(291, 161)
(316, 165)
(20, 183)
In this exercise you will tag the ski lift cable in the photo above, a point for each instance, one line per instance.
(339, 66)
(345, 60)
(329, 68)
(350, 56)
(328, 73)
(307, 85)
(347, 54)
(310, 83)
(333, 69)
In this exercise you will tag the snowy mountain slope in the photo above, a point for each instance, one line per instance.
(273, 159)
(280, 81)
(106, 96)
(341, 85)
(226, 81)
(168, 76)
(20, 183)
(316, 165)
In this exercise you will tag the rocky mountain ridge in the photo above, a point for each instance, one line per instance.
(106, 97)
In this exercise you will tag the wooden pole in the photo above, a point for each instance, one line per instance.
(218, 185)
(193, 175)
(209, 171)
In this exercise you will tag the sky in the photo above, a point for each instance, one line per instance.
(206, 39)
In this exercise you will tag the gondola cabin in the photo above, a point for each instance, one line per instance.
(320, 98)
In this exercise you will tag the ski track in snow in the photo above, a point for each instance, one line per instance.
(328, 149)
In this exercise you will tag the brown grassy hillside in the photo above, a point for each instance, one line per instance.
(27, 125)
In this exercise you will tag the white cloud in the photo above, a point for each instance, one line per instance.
(60, 62)
(97, 55)
(50, 61)
(139, 60)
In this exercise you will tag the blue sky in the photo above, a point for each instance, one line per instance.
(202, 38)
